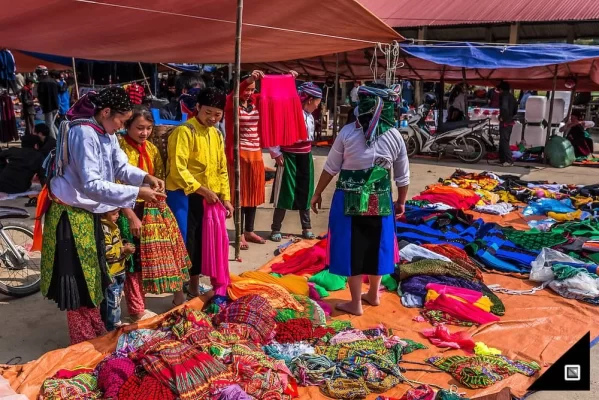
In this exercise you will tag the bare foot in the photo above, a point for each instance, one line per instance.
(370, 300)
(350, 308)
(253, 238)
(244, 244)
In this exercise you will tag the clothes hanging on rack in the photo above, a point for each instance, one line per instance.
(8, 122)
(8, 66)
(136, 93)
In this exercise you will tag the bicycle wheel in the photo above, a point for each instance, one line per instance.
(18, 279)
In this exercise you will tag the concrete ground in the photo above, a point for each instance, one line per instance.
(32, 326)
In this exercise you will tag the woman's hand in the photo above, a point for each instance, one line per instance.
(257, 75)
(128, 249)
(400, 209)
(208, 195)
(150, 195)
(316, 202)
(134, 225)
(294, 74)
(155, 183)
(280, 160)
(229, 208)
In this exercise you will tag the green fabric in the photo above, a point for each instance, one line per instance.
(322, 292)
(287, 192)
(367, 105)
(367, 192)
(330, 282)
(276, 275)
(82, 226)
(412, 346)
(389, 283)
(435, 268)
(587, 228)
(534, 239)
(340, 325)
(563, 271)
(560, 152)
(418, 203)
(446, 395)
(497, 307)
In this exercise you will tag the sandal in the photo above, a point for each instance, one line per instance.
(276, 237)
(308, 235)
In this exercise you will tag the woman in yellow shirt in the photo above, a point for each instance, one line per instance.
(155, 279)
(197, 171)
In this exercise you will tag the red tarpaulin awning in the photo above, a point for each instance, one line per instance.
(189, 30)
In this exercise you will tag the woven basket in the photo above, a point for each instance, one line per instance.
(159, 138)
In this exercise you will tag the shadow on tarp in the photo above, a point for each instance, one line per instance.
(539, 327)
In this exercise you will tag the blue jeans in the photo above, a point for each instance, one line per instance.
(111, 306)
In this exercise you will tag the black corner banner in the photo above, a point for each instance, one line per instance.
(572, 372)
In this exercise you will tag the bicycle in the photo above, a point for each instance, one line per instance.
(19, 266)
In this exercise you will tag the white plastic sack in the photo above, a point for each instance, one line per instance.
(541, 267)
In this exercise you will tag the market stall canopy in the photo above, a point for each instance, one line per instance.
(27, 62)
(188, 31)
(403, 13)
(524, 66)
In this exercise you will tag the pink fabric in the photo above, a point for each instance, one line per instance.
(459, 310)
(441, 337)
(397, 258)
(281, 114)
(471, 296)
(215, 247)
(134, 293)
(312, 292)
(85, 324)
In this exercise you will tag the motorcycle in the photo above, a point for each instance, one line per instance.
(465, 140)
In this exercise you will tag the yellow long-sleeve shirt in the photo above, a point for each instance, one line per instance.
(133, 156)
(196, 158)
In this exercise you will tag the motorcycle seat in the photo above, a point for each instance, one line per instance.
(13, 212)
(450, 126)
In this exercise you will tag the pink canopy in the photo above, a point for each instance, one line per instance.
(179, 31)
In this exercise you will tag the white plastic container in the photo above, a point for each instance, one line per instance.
(535, 135)
(559, 110)
(536, 109)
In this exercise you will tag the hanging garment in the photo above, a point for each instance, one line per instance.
(281, 113)
(215, 247)
(8, 122)
(136, 93)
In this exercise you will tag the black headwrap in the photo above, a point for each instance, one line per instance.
(212, 97)
(114, 98)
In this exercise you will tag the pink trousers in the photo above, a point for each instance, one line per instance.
(85, 324)
(134, 293)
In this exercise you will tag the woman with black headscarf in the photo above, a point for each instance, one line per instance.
(87, 164)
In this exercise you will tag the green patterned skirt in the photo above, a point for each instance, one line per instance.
(73, 264)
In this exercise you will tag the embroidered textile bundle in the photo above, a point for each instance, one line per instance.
(482, 371)
(297, 330)
(164, 259)
(187, 371)
(146, 388)
(253, 311)
(80, 387)
(276, 295)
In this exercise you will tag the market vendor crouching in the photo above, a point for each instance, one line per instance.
(73, 263)
(197, 172)
(294, 182)
(362, 237)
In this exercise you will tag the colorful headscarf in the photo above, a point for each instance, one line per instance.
(308, 90)
(212, 97)
(376, 111)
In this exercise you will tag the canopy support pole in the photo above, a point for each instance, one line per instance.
(75, 76)
(572, 94)
(549, 124)
(145, 79)
(441, 95)
(237, 214)
(335, 94)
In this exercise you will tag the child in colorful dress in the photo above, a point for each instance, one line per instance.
(116, 254)
(167, 277)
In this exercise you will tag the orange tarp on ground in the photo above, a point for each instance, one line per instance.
(539, 327)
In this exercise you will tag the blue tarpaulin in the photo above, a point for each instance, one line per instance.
(471, 55)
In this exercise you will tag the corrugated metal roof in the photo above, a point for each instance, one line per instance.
(410, 13)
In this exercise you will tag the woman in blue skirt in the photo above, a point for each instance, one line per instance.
(361, 223)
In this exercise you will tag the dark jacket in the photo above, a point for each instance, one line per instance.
(18, 166)
(26, 97)
(48, 145)
(508, 107)
(47, 94)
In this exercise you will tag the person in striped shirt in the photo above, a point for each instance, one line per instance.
(294, 182)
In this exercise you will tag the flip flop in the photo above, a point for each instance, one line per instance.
(308, 235)
(276, 237)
